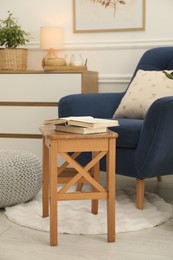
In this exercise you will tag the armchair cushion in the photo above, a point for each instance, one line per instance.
(146, 87)
(128, 132)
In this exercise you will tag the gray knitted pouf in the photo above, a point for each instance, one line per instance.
(20, 177)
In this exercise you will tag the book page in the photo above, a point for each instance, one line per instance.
(79, 118)
(85, 121)
(92, 122)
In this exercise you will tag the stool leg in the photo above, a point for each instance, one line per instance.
(53, 194)
(110, 165)
(94, 205)
(45, 185)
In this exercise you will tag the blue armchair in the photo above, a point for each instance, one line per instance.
(144, 146)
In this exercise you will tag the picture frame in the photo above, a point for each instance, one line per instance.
(108, 15)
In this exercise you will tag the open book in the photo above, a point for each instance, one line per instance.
(84, 121)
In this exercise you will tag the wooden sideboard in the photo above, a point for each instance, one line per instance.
(28, 98)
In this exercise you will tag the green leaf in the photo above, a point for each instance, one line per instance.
(11, 33)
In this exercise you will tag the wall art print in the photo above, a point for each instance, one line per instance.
(108, 15)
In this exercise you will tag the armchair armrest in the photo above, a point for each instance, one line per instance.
(100, 105)
(155, 147)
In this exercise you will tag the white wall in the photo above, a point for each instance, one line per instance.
(113, 54)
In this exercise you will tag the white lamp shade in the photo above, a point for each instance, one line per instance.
(51, 37)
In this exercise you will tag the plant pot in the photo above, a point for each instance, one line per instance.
(13, 59)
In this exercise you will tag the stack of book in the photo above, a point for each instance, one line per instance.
(81, 125)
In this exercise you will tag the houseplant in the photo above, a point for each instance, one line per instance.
(12, 37)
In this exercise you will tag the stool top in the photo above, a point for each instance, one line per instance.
(49, 132)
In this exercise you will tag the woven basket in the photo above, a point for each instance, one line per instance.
(13, 59)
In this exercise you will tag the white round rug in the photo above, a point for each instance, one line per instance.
(74, 217)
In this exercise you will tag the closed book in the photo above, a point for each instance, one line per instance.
(79, 129)
(85, 121)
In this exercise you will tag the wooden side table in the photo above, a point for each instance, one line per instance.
(57, 144)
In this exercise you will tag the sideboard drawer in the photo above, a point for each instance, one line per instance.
(38, 87)
(25, 120)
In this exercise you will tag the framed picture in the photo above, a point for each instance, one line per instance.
(108, 15)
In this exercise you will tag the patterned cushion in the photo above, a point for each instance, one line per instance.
(146, 87)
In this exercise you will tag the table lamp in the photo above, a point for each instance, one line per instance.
(51, 39)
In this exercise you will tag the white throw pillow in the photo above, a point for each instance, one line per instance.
(146, 87)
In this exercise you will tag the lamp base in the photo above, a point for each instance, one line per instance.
(47, 61)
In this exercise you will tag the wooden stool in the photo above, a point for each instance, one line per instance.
(57, 144)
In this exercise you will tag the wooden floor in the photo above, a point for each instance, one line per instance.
(19, 243)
